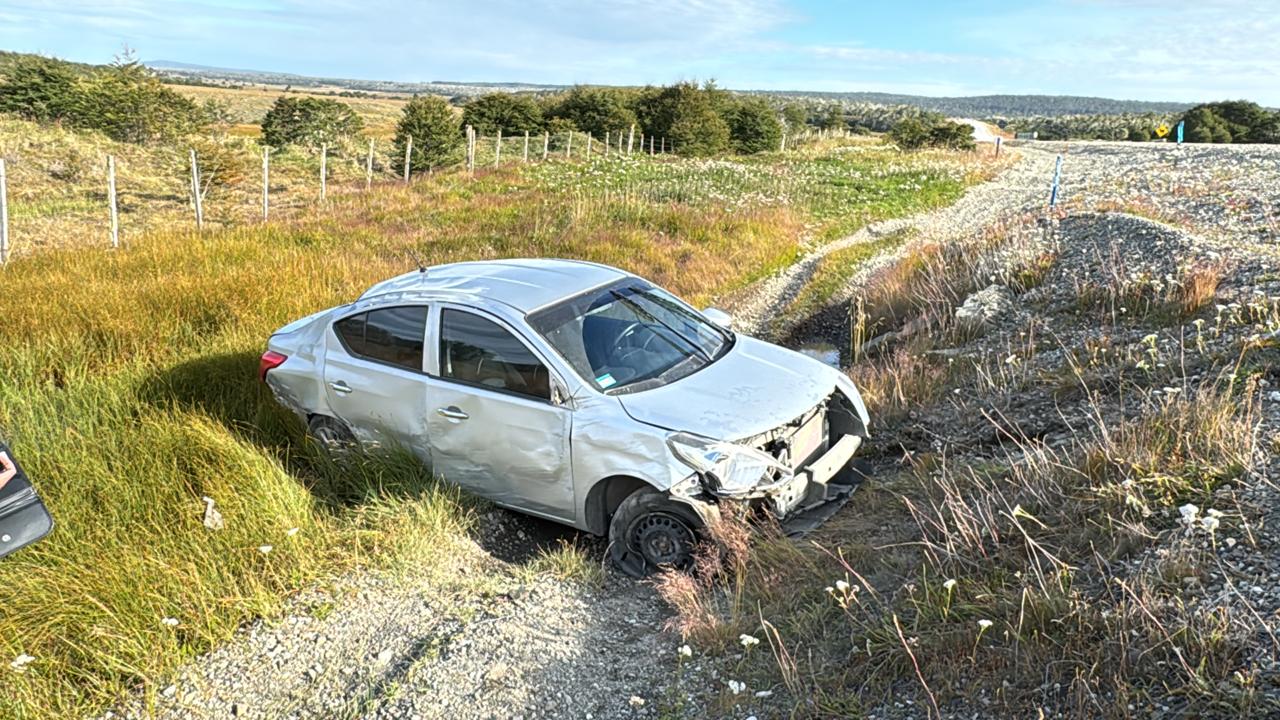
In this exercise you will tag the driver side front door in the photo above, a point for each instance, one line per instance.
(493, 424)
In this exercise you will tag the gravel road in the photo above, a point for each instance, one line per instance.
(483, 640)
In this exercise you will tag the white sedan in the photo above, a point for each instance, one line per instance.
(579, 393)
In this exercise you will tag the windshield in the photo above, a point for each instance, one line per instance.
(631, 336)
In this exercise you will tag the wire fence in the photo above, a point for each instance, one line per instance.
(65, 194)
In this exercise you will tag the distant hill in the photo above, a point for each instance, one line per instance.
(180, 71)
(989, 106)
(981, 106)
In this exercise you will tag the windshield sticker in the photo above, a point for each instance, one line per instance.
(605, 380)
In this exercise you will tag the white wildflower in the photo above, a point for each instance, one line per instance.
(685, 651)
(985, 623)
(21, 662)
(265, 549)
(636, 701)
(736, 687)
(1189, 513)
(949, 585)
(842, 586)
(171, 622)
(748, 640)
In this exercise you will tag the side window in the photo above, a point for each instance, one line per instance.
(390, 335)
(351, 332)
(481, 352)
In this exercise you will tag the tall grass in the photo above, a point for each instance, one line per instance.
(128, 389)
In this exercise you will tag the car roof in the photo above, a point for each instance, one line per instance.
(524, 284)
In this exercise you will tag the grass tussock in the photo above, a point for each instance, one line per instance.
(1011, 581)
(128, 389)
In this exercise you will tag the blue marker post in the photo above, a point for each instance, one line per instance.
(1057, 177)
(1180, 124)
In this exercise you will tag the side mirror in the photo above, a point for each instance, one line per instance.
(719, 317)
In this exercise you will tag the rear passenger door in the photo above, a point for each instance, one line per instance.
(375, 376)
(23, 518)
(494, 425)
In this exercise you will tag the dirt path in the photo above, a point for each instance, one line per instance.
(1021, 187)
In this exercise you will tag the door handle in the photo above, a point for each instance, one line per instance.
(452, 412)
(340, 387)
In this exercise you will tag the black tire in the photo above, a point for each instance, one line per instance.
(650, 531)
(332, 436)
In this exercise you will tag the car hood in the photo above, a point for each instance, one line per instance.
(754, 388)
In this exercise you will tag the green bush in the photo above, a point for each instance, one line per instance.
(128, 103)
(795, 116)
(309, 122)
(686, 115)
(594, 110)
(1237, 121)
(122, 100)
(512, 114)
(38, 88)
(916, 133)
(436, 131)
(754, 126)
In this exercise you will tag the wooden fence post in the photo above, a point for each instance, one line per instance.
(408, 157)
(368, 167)
(568, 148)
(546, 144)
(589, 138)
(266, 183)
(526, 146)
(4, 215)
(783, 147)
(631, 135)
(471, 149)
(111, 198)
(998, 139)
(195, 190)
(606, 143)
(324, 169)
(497, 148)
(651, 153)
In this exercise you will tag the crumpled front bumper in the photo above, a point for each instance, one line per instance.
(816, 492)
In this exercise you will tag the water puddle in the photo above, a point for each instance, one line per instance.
(822, 351)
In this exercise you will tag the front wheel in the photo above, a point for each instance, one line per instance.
(651, 531)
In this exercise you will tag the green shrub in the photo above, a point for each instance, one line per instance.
(510, 113)
(309, 122)
(128, 103)
(123, 100)
(594, 110)
(38, 88)
(754, 126)
(916, 133)
(1237, 121)
(436, 132)
(686, 115)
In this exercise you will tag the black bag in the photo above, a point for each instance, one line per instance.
(23, 517)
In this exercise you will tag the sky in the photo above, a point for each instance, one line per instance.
(1189, 51)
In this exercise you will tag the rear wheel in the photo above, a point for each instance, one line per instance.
(651, 531)
(332, 436)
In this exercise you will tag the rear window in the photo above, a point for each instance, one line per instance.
(391, 335)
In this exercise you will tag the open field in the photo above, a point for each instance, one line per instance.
(128, 387)
(247, 105)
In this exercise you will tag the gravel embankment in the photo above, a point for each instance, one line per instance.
(498, 644)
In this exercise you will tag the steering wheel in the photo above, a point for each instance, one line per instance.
(631, 330)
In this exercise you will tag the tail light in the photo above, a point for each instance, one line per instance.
(270, 361)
